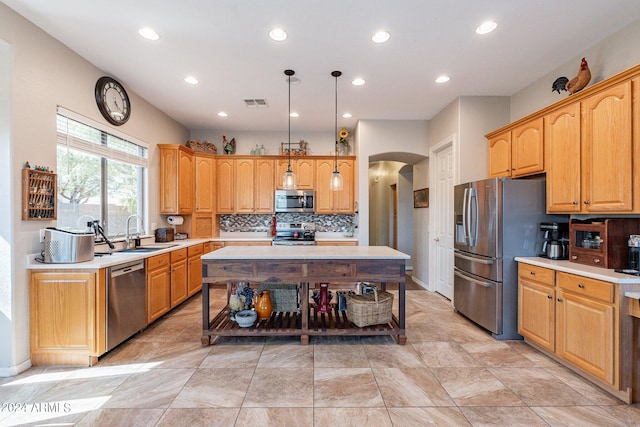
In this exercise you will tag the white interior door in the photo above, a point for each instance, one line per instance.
(443, 224)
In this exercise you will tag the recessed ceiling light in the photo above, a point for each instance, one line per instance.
(380, 36)
(443, 79)
(278, 34)
(222, 114)
(347, 115)
(294, 114)
(191, 80)
(486, 27)
(148, 33)
(357, 81)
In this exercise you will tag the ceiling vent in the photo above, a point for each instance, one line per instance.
(256, 103)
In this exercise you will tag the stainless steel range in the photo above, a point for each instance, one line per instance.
(295, 233)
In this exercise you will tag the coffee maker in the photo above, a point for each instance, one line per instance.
(634, 252)
(555, 240)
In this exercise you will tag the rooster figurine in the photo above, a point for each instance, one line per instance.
(575, 84)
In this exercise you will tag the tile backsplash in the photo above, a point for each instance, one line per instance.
(260, 223)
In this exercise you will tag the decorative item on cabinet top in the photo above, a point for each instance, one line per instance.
(202, 146)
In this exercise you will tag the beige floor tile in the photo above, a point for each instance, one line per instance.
(583, 416)
(628, 414)
(351, 417)
(345, 355)
(199, 417)
(233, 356)
(512, 416)
(538, 358)
(115, 417)
(275, 417)
(537, 387)
(393, 356)
(420, 332)
(410, 387)
(475, 387)
(420, 417)
(345, 387)
(584, 387)
(70, 389)
(286, 356)
(179, 355)
(214, 388)
(496, 353)
(150, 389)
(442, 354)
(466, 332)
(134, 351)
(281, 387)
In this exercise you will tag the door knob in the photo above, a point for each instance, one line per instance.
(436, 239)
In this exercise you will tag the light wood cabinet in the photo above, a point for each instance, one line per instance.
(607, 151)
(536, 305)
(264, 185)
(328, 201)
(304, 168)
(562, 148)
(67, 317)
(225, 189)
(176, 179)
(179, 277)
(158, 286)
(518, 152)
(194, 268)
(245, 184)
(202, 223)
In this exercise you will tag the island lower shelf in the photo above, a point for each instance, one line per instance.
(334, 322)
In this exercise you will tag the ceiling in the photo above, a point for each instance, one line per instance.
(225, 45)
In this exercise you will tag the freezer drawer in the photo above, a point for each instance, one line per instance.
(478, 299)
(491, 268)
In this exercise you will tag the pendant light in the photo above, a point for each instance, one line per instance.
(336, 178)
(289, 178)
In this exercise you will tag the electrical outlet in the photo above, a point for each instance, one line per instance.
(42, 235)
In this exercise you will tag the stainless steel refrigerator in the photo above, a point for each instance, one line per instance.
(495, 220)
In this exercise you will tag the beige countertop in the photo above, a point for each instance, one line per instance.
(305, 252)
(115, 258)
(607, 275)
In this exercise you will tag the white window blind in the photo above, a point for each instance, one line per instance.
(84, 134)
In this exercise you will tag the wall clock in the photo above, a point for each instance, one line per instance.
(113, 101)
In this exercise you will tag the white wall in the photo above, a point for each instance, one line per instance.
(611, 56)
(405, 213)
(421, 227)
(45, 74)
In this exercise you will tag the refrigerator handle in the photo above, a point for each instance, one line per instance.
(476, 260)
(472, 280)
(464, 215)
(472, 216)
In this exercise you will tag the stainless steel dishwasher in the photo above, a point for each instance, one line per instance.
(126, 301)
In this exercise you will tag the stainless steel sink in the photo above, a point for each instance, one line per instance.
(139, 249)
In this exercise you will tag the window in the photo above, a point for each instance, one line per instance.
(102, 175)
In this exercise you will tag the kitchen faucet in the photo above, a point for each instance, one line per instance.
(127, 237)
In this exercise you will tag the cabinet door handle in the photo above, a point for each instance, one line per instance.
(533, 273)
(586, 202)
(597, 261)
(549, 296)
(559, 299)
(574, 203)
(580, 285)
(574, 257)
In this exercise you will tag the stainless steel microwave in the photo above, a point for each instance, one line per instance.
(295, 201)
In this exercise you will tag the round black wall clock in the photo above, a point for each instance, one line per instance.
(113, 101)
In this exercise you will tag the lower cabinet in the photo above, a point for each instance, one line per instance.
(179, 283)
(579, 320)
(158, 286)
(194, 269)
(67, 313)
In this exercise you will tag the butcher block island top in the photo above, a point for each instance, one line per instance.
(342, 267)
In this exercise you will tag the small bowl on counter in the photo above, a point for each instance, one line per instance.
(246, 318)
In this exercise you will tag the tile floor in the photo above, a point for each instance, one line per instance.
(450, 373)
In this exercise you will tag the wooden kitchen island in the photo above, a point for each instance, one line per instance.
(307, 266)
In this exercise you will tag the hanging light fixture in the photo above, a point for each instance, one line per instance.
(289, 178)
(336, 178)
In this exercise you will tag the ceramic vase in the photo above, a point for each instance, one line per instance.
(264, 307)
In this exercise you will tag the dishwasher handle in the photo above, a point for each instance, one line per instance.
(119, 271)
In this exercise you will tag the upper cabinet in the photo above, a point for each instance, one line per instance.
(304, 168)
(225, 200)
(590, 146)
(205, 167)
(334, 202)
(176, 179)
(518, 152)
(590, 154)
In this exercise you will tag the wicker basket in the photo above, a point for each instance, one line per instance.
(284, 296)
(372, 308)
